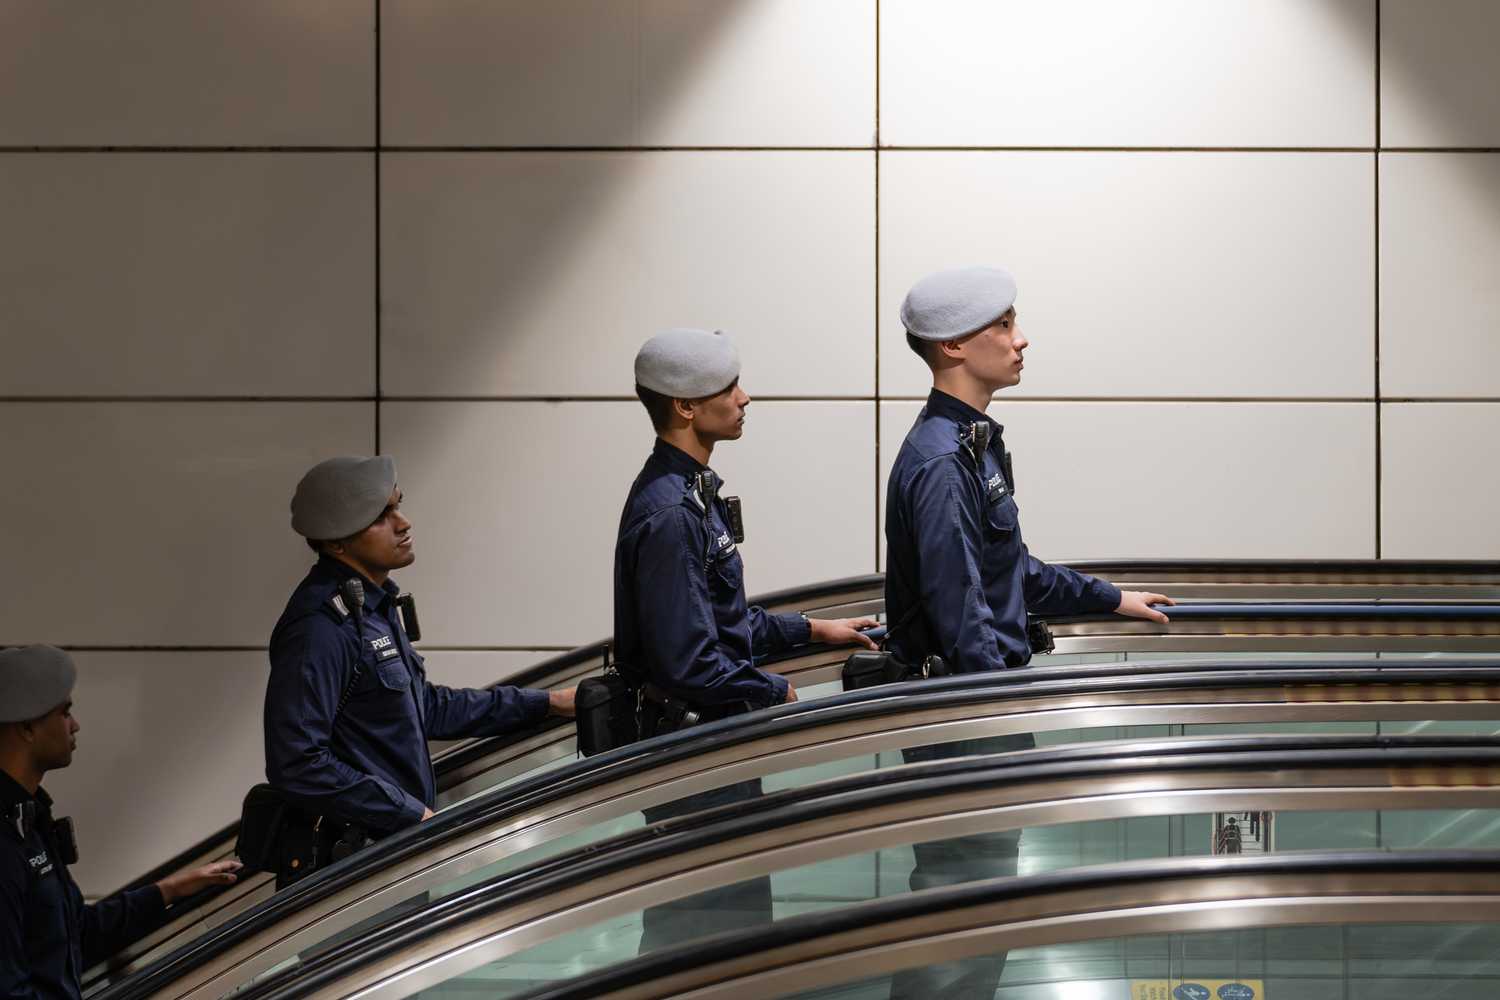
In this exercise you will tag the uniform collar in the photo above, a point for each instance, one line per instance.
(11, 793)
(678, 461)
(374, 596)
(940, 404)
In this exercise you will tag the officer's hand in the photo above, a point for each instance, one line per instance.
(791, 694)
(194, 881)
(1137, 604)
(842, 631)
(426, 815)
(560, 703)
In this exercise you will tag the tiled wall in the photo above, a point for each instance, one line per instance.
(1258, 243)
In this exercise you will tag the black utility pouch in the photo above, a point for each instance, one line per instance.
(605, 713)
(262, 819)
(1039, 637)
(867, 669)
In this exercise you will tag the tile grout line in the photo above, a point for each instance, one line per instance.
(106, 150)
(378, 139)
(1379, 443)
(875, 327)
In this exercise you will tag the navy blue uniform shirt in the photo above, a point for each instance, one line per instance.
(370, 764)
(681, 618)
(954, 548)
(47, 935)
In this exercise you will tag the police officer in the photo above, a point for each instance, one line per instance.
(959, 579)
(683, 627)
(48, 936)
(349, 709)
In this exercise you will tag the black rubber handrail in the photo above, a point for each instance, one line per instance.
(891, 700)
(1272, 610)
(855, 793)
(1285, 567)
(1123, 878)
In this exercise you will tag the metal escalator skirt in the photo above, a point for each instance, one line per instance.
(834, 820)
(799, 955)
(801, 736)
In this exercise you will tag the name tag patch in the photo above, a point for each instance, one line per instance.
(724, 543)
(40, 864)
(995, 488)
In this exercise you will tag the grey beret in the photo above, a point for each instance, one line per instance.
(342, 496)
(33, 681)
(687, 364)
(955, 303)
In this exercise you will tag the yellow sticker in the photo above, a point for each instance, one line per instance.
(1197, 989)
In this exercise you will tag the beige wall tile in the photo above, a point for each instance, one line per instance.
(1438, 73)
(188, 275)
(516, 507)
(479, 668)
(1438, 480)
(1148, 274)
(1439, 274)
(188, 73)
(155, 524)
(1183, 480)
(542, 274)
(602, 73)
(1135, 73)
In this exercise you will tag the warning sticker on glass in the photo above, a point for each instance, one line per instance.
(1197, 989)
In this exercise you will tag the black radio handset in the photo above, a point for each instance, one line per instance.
(707, 486)
(353, 593)
(976, 439)
(407, 605)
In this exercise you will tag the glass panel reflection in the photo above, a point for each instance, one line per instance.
(828, 885)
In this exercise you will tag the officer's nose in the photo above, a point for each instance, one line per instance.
(73, 726)
(744, 399)
(1018, 340)
(403, 524)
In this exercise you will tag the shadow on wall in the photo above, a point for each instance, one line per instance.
(434, 213)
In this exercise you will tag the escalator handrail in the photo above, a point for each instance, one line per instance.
(1273, 610)
(856, 793)
(1124, 879)
(1286, 567)
(531, 793)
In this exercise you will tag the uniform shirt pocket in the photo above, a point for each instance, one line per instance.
(393, 674)
(1001, 518)
(727, 574)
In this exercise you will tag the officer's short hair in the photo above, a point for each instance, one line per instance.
(657, 405)
(920, 347)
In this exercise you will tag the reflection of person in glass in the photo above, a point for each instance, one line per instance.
(685, 636)
(959, 579)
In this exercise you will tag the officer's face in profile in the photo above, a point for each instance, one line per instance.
(721, 417)
(384, 545)
(54, 737)
(993, 355)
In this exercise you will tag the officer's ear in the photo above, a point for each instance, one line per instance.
(683, 409)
